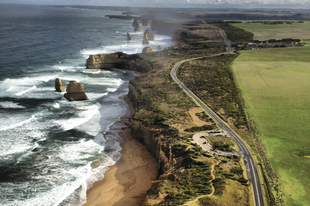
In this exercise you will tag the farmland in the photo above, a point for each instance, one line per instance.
(277, 31)
(275, 87)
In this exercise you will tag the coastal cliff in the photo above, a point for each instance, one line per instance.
(118, 60)
(164, 123)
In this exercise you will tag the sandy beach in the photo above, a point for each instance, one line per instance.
(128, 180)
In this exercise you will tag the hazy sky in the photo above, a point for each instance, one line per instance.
(183, 3)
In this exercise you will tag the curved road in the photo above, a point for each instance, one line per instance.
(252, 172)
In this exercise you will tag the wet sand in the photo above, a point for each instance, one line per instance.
(128, 180)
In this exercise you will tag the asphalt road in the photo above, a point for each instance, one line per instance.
(252, 172)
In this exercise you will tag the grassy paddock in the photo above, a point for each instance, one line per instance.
(275, 86)
(279, 31)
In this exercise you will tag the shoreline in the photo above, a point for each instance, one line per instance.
(127, 181)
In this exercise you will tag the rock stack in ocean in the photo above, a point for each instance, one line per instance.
(137, 23)
(102, 61)
(150, 35)
(145, 39)
(147, 49)
(75, 91)
(146, 22)
(137, 28)
(59, 86)
(128, 37)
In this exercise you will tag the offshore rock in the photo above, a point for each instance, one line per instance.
(59, 86)
(149, 35)
(105, 61)
(137, 22)
(75, 91)
(137, 28)
(146, 22)
(147, 49)
(128, 37)
(118, 60)
(145, 39)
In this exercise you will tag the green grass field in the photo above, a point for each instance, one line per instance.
(280, 31)
(275, 85)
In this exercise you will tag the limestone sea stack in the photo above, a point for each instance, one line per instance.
(75, 92)
(147, 49)
(59, 86)
(150, 35)
(137, 28)
(145, 39)
(137, 22)
(128, 37)
(103, 61)
(146, 22)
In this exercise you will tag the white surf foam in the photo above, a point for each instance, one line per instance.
(111, 89)
(56, 105)
(9, 104)
(25, 91)
(84, 114)
(67, 68)
(92, 71)
(17, 124)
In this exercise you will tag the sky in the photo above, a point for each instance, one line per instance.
(171, 3)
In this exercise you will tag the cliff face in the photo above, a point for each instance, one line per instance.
(102, 61)
(150, 136)
(118, 60)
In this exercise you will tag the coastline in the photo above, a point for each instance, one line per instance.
(128, 180)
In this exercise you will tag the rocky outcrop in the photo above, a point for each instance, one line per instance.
(59, 86)
(128, 37)
(137, 22)
(75, 91)
(104, 61)
(145, 39)
(137, 28)
(146, 22)
(147, 49)
(150, 35)
(118, 60)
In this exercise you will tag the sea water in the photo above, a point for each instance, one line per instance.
(52, 150)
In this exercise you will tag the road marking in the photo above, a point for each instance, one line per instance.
(241, 145)
(254, 178)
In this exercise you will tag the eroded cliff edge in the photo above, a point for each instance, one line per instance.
(164, 122)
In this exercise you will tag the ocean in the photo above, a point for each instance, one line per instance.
(53, 150)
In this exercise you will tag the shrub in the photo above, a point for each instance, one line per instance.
(236, 170)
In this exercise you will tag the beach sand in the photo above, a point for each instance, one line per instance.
(128, 180)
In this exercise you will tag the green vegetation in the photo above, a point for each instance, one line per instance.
(277, 31)
(236, 34)
(275, 86)
(204, 117)
(202, 128)
(162, 120)
(212, 81)
(221, 143)
(235, 195)
(192, 182)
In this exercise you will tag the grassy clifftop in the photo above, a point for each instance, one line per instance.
(164, 121)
